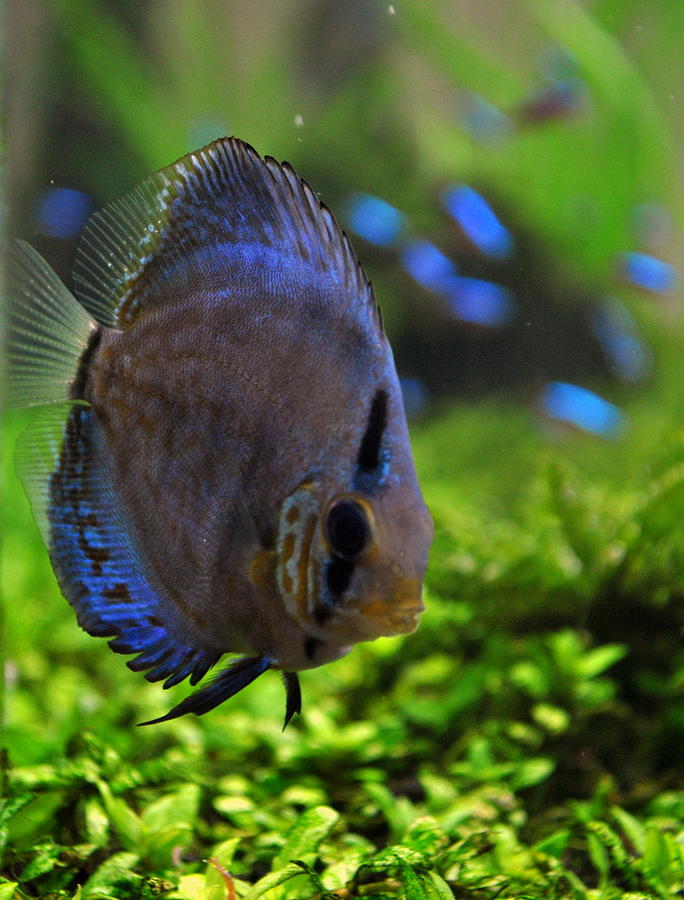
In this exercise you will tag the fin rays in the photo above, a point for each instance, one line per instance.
(220, 206)
(226, 684)
(48, 331)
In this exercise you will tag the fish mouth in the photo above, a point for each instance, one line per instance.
(397, 614)
(387, 623)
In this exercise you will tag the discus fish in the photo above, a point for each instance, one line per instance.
(224, 463)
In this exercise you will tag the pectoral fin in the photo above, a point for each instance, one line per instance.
(293, 702)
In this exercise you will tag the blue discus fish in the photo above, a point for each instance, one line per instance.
(223, 465)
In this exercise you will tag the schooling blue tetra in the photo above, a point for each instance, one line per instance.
(224, 464)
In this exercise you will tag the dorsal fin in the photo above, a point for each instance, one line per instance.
(222, 219)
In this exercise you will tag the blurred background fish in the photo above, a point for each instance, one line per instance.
(232, 472)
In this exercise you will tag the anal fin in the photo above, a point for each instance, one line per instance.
(62, 464)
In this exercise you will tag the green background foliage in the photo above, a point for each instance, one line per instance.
(527, 740)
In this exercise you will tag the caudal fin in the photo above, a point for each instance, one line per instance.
(48, 331)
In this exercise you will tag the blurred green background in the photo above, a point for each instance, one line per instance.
(527, 741)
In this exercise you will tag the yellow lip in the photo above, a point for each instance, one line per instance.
(399, 613)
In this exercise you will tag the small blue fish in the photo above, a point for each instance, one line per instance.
(224, 463)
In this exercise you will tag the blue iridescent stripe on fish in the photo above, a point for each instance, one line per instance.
(648, 272)
(97, 567)
(478, 221)
(373, 219)
(583, 408)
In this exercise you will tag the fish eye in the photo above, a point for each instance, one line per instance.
(348, 529)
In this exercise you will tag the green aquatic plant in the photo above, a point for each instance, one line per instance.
(522, 743)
